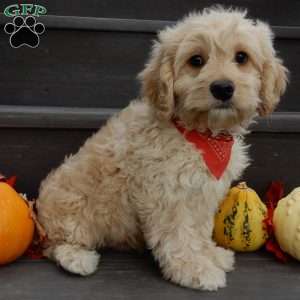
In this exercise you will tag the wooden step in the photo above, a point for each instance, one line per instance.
(132, 276)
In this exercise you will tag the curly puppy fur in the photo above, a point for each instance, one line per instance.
(138, 182)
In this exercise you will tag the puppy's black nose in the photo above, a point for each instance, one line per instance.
(222, 89)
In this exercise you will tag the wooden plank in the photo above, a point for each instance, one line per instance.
(95, 69)
(269, 10)
(135, 276)
(92, 118)
(78, 69)
(32, 153)
(273, 157)
(105, 24)
(278, 122)
(130, 25)
(54, 117)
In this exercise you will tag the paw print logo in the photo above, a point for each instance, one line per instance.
(24, 32)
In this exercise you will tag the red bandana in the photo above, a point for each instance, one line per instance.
(216, 150)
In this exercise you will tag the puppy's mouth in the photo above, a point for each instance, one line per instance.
(224, 105)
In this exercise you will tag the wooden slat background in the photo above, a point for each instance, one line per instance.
(276, 12)
(32, 153)
(96, 69)
(48, 94)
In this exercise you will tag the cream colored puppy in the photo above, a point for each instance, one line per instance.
(139, 181)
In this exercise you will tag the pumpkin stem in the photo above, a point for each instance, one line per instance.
(242, 185)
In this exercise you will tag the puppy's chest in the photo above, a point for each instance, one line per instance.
(180, 164)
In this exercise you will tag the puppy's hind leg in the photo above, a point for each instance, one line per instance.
(74, 258)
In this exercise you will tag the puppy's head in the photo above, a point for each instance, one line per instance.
(214, 70)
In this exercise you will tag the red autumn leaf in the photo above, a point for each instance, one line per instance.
(35, 250)
(273, 247)
(274, 193)
(10, 181)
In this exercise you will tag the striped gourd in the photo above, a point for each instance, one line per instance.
(239, 220)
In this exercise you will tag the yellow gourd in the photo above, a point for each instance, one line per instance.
(239, 220)
(286, 220)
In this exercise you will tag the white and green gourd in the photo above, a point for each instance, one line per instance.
(286, 220)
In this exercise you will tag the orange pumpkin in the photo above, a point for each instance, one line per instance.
(16, 224)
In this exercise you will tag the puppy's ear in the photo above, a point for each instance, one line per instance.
(274, 81)
(157, 82)
(274, 75)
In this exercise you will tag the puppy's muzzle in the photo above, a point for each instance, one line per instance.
(222, 89)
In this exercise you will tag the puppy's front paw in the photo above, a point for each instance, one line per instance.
(223, 258)
(199, 275)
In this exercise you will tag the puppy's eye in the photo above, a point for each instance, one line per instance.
(241, 57)
(196, 61)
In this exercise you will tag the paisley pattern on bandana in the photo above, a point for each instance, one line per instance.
(216, 150)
